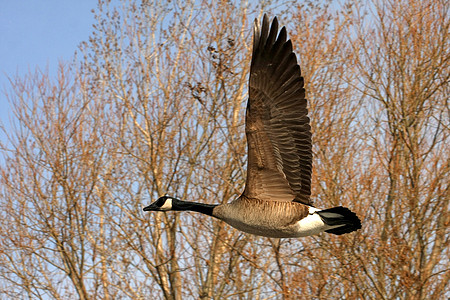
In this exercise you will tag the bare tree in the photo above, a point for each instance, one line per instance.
(49, 180)
(404, 69)
(154, 104)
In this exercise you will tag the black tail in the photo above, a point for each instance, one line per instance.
(340, 216)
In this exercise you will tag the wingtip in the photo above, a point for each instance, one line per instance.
(256, 35)
(265, 22)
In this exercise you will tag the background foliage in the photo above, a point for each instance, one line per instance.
(154, 104)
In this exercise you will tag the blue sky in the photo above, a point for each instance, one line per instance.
(39, 33)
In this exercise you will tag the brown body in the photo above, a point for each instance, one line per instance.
(266, 218)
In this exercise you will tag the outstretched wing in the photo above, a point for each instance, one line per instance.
(277, 124)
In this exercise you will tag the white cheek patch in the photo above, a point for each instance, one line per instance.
(167, 204)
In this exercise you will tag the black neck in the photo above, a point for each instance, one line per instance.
(206, 209)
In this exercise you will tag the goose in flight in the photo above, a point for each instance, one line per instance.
(276, 199)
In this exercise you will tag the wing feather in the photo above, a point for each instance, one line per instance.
(277, 123)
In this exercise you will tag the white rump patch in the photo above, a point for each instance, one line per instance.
(313, 223)
(312, 210)
(310, 225)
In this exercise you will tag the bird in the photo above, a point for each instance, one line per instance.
(276, 201)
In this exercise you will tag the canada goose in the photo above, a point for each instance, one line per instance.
(276, 199)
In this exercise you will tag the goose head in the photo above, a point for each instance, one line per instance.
(163, 203)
